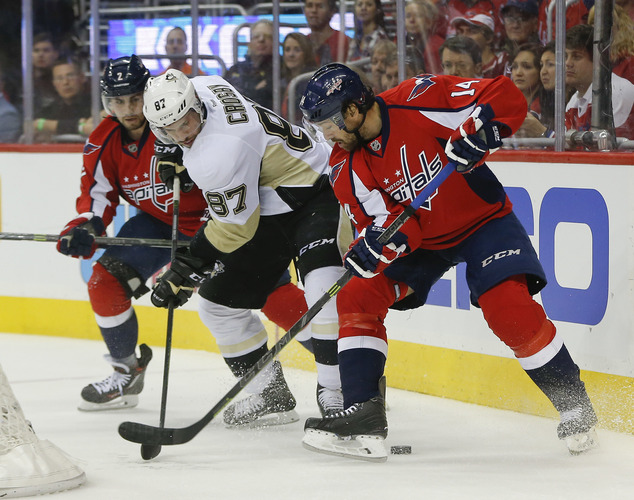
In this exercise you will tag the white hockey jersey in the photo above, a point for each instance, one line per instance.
(248, 162)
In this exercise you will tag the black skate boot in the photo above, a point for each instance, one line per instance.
(330, 401)
(119, 390)
(275, 405)
(357, 432)
(577, 429)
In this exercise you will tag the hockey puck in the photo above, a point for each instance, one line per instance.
(401, 450)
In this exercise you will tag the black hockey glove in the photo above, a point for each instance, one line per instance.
(77, 239)
(177, 284)
(367, 257)
(474, 139)
(169, 160)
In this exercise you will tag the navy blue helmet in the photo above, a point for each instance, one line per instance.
(330, 90)
(124, 76)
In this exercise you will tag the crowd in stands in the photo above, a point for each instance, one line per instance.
(466, 38)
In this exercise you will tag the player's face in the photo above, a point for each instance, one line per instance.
(318, 14)
(128, 109)
(547, 72)
(524, 73)
(578, 69)
(185, 130)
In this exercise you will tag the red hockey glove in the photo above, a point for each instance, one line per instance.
(367, 257)
(474, 139)
(177, 284)
(77, 239)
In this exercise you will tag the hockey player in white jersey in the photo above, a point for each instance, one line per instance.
(266, 184)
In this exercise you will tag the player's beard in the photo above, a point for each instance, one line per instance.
(350, 142)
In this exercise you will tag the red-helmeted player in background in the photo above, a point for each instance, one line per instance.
(119, 162)
(387, 149)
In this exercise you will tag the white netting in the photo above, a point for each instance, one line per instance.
(14, 428)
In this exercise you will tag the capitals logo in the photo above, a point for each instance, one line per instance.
(90, 148)
(335, 171)
(423, 82)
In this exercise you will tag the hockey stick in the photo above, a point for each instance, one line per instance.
(102, 241)
(149, 435)
(150, 451)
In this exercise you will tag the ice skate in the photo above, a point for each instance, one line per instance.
(119, 390)
(358, 432)
(577, 429)
(275, 405)
(330, 401)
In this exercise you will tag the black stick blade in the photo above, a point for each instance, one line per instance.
(146, 434)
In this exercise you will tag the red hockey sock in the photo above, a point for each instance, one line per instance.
(285, 305)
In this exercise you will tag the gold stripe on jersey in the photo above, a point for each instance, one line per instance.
(345, 233)
(279, 168)
(229, 237)
(244, 346)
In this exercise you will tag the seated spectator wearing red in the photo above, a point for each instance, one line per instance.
(329, 44)
(420, 19)
(70, 112)
(622, 46)
(459, 8)
(579, 74)
(176, 45)
(478, 25)
(520, 24)
(525, 69)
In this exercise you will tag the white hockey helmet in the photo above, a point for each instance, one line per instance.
(167, 98)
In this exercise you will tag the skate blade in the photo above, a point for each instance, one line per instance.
(129, 401)
(581, 443)
(367, 448)
(268, 420)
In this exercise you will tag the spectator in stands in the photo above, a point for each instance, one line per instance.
(253, 77)
(44, 55)
(479, 25)
(576, 13)
(420, 18)
(384, 50)
(627, 5)
(298, 57)
(520, 24)
(70, 112)
(369, 28)
(459, 8)
(329, 44)
(460, 56)
(579, 75)
(622, 46)
(525, 70)
(390, 79)
(176, 45)
(10, 118)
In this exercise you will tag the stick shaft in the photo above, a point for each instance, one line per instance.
(102, 241)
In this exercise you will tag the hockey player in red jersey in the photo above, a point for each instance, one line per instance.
(119, 162)
(387, 149)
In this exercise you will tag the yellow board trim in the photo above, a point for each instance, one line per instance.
(463, 376)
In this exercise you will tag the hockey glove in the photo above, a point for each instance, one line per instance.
(169, 160)
(473, 139)
(177, 284)
(77, 239)
(367, 257)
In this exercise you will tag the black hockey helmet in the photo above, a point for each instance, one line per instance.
(124, 76)
(330, 90)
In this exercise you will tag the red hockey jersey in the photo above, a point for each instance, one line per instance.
(114, 167)
(418, 116)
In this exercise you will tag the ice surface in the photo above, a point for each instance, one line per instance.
(459, 451)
